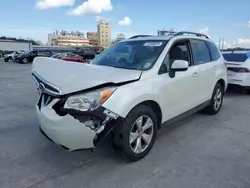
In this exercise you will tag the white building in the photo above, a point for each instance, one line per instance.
(8, 46)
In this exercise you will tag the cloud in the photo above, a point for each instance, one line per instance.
(126, 21)
(245, 43)
(246, 24)
(204, 30)
(99, 18)
(225, 45)
(92, 7)
(46, 4)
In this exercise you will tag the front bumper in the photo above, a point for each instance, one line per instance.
(71, 129)
(65, 130)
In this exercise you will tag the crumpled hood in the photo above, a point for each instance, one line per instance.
(72, 77)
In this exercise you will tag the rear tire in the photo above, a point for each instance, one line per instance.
(138, 133)
(216, 100)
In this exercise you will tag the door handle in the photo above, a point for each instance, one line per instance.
(214, 67)
(195, 74)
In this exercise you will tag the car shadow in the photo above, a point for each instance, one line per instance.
(235, 91)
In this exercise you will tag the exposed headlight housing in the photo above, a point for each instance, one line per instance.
(90, 100)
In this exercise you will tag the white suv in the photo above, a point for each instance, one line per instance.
(238, 69)
(129, 90)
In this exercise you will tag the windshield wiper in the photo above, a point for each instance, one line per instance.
(119, 67)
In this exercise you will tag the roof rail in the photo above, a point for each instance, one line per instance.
(190, 33)
(137, 36)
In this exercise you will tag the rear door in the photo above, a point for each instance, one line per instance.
(206, 66)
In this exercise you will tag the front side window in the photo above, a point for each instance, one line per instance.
(179, 51)
(137, 55)
(200, 52)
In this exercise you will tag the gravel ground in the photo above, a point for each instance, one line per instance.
(201, 151)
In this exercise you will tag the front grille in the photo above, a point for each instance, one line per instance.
(46, 87)
(45, 100)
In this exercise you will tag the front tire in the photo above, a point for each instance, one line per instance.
(216, 100)
(25, 61)
(138, 133)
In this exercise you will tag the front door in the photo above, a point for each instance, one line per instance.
(178, 94)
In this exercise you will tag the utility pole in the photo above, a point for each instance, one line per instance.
(223, 41)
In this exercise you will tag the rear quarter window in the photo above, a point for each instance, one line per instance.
(235, 57)
(215, 54)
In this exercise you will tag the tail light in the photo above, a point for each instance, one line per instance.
(239, 69)
(244, 70)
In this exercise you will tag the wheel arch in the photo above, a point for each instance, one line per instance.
(156, 109)
(222, 83)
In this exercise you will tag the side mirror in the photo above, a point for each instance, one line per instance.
(178, 66)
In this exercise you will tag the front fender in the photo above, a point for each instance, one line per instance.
(123, 101)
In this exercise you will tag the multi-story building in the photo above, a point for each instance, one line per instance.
(66, 38)
(92, 38)
(104, 34)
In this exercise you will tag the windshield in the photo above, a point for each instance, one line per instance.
(240, 57)
(137, 55)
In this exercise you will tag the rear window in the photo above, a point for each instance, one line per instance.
(235, 57)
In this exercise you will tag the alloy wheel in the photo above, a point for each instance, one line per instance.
(217, 99)
(141, 134)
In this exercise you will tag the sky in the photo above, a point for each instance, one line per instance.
(228, 19)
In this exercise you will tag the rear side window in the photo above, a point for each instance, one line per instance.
(200, 52)
(215, 54)
(236, 57)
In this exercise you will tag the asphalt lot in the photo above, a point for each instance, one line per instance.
(202, 151)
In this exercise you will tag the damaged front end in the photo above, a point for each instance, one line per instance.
(100, 120)
(74, 121)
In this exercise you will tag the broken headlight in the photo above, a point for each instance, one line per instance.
(90, 100)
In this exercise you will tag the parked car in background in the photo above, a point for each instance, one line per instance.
(87, 55)
(69, 57)
(238, 69)
(159, 79)
(12, 56)
(31, 55)
(72, 57)
(56, 55)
